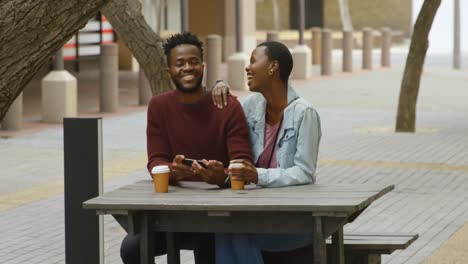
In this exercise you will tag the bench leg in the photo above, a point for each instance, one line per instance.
(362, 258)
(320, 247)
(374, 258)
(173, 254)
(337, 247)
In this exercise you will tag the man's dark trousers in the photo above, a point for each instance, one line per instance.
(202, 245)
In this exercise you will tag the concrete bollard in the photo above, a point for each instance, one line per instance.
(13, 119)
(109, 76)
(213, 59)
(272, 36)
(367, 44)
(386, 39)
(144, 88)
(302, 69)
(237, 78)
(347, 51)
(316, 42)
(59, 96)
(326, 55)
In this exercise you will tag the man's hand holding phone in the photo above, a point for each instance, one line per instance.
(189, 162)
(211, 171)
(179, 171)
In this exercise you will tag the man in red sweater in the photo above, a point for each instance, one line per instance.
(184, 123)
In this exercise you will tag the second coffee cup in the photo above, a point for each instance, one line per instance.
(237, 179)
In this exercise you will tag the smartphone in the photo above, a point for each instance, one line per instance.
(188, 162)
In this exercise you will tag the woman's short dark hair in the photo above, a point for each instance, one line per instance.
(279, 52)
(179, 39)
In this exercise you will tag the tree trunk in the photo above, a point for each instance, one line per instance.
(406, 115)
(126, 19)
(31, 32)
(345, 16)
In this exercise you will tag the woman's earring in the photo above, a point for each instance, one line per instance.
(270, 72)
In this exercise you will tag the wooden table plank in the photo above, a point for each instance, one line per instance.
(200, 196)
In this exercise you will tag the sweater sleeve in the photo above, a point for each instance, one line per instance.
(238, 138)
(158, 149)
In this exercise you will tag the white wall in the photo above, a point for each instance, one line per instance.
(441, 35)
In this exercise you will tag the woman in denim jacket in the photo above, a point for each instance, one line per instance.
(285, 133)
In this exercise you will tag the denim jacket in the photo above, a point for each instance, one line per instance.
(297, 144)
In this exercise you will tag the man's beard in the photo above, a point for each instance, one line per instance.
(180, 87)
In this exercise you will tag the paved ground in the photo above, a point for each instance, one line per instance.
(429, 168)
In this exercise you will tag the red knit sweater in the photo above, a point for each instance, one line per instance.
(197, 131)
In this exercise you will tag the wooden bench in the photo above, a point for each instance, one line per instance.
(359, 248)
(367, 248)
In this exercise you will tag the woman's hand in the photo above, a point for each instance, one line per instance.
(248, 172)
(220, 93)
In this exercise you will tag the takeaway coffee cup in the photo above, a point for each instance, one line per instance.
(161, 178)
(237, 182)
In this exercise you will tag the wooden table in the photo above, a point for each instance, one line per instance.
(198, 207)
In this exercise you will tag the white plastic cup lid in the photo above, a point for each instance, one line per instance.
(160, 169)
(236, 166)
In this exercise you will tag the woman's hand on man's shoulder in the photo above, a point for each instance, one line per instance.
(220, 94)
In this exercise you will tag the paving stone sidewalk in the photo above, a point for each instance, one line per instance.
(429, 168)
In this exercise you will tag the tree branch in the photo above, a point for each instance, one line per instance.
(126, 19)
(31, 32)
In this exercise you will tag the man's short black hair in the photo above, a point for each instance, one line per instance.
(179, 39)
(279, 52)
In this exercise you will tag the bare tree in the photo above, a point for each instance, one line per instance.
(406, 116)
(32, 31)
(345, 16)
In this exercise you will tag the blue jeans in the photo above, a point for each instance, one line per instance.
(247, 248)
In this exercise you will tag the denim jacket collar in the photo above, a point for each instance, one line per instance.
(257, 119)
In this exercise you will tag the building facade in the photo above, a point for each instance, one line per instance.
(326, 13)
